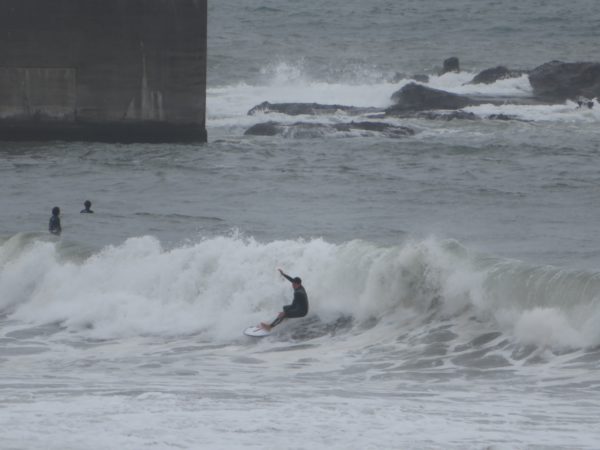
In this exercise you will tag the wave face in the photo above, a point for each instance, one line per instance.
(428, 292)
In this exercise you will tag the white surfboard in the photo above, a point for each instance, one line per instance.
(256, 331)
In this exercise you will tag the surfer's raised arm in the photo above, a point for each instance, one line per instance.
(290, 279)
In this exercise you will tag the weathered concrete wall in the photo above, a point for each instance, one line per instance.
(107, 70)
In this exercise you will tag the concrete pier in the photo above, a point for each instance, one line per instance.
(103, 70)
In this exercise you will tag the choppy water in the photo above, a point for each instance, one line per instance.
(453, 275)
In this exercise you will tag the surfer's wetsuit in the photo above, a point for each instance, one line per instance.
(299, 306)
(54, 225)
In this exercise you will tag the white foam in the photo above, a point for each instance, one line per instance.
(547, 327)
(170, 389)
(219, 286)
(568, 112)
(285, 83)
(227, 106)
(230, 105)
(458, 83)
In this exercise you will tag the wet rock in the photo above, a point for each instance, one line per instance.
(416, 97)
(312, 109)
(451, 65)
(560, 81)
(264, 129)
(494, 74)
(501, 117)
(448, 116)
(314, 130)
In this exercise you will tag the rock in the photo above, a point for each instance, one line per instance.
(451, 65)
(502, 117)
(452, 115)
(416, 97)
(315, 130)
(264, 129)
(560, 81)
(494, 74)
(295, 109)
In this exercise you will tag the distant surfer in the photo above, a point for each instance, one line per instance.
(299, 306)
(54, 224)
(87, 209)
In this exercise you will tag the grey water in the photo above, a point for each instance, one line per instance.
(340, 40)
(453, 274)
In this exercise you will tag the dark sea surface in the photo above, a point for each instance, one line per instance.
(355, 40)
(453, 274)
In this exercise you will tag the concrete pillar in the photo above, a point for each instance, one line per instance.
(103, 70)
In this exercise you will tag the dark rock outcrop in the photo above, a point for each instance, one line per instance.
(500, 117)
(315, 130)
(560, 81)
(494, 74)
(447, 116)
(552, 82)
(312, 109)
(451, 65)
(416, 97)
(264, 129)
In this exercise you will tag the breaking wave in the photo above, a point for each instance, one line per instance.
(217, 286)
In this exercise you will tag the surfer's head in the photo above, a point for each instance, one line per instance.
(55, 211)
(87, 204)
(297, 281)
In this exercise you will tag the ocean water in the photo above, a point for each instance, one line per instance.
(453, 275)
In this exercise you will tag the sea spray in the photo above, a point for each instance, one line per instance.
(217, 286)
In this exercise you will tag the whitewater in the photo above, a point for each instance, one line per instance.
(453, 274)
(421, 339)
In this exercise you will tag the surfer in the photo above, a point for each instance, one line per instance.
(299, 306)
(54, 224)
(87, 209)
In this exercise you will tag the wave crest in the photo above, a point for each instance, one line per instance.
(217, 286)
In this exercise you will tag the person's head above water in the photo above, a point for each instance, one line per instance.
(297, 280)
(87, 205)
(55, 211)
